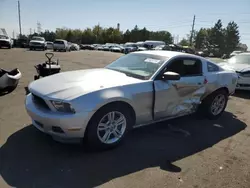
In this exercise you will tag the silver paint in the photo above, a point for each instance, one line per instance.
(89, 90)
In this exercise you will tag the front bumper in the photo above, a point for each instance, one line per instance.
(37, 46)
(62, 127)
(243, 83)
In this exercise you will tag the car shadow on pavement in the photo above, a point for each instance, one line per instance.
(242, 94)
(31, 159)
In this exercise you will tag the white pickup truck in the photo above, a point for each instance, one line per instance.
(38, 43)
(6, 41)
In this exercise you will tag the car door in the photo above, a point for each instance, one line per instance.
(179, 97)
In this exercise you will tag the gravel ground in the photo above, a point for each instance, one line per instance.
(204, 154)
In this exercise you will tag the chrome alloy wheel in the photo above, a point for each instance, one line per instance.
(218, 104)
(111, 127)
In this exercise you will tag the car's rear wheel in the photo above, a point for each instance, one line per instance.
(214, 105)
(108, 127)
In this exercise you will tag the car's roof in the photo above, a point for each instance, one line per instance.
(165, 53)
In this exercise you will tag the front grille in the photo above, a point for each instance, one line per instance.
(36, 44)
(39, 102)
(4, 43)
(243, 85)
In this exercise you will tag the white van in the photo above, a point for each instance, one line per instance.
(61, 45)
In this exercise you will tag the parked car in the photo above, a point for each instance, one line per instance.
(241, 64)
(235, 53)
(152, 44)
(160, 47)
(49, 45)
(61, 45)
(74, 47)
(117, 48)
(87, 47)
(37, 43)
(100, 48)
(140, 88)
(130, 47)
(6, 41)
(106, 47)
(141, 49)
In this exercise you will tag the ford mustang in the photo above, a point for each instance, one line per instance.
(101, 105)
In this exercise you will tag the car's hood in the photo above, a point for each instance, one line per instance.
(69, 85)
(7, 40)
(38, 41)
(236, 67)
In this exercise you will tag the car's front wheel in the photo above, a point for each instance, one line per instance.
(108, 127)
(214, 105)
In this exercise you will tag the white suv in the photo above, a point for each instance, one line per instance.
(61, 45)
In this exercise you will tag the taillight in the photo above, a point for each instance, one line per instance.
(205, 81)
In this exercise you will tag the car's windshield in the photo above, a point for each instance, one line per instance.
(38, 38)
(138, 65)
(240, 59)
(3, 37)
(58, 42)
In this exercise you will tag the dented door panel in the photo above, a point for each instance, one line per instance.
(175, 98)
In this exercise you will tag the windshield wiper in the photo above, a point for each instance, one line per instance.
(129, 74)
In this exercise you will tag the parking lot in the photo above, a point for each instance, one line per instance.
(191, 153)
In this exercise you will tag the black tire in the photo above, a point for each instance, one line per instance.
(9, 47)
(206, 104)
(31, 49)
(91, 136)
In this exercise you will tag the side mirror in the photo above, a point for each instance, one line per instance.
(171, 76)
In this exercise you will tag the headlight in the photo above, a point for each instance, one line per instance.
(63, 107)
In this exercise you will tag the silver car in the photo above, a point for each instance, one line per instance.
(61, 45)
(241, 64)
(137, 89)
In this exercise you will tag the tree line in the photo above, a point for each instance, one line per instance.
(224, 40)
(217, 38)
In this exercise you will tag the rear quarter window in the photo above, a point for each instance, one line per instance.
(212, 67)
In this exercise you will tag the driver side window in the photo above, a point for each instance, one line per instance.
(186, 67)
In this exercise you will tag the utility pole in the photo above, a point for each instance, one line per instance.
(192, 32)
(30, 31)
(19, 16)
(39, 28)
